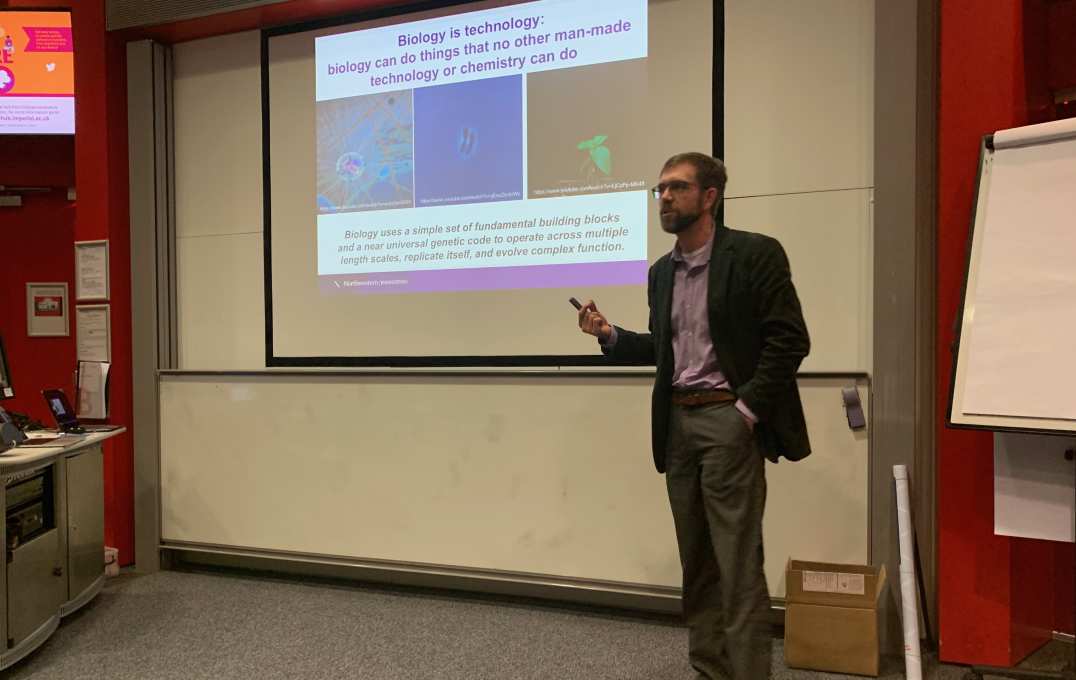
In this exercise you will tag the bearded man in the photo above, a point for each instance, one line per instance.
(727, 336)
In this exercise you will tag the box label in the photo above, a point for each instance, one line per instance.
(834, 582)
(819, 581)
(851, 584)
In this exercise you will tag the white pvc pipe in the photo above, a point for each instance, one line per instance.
(913, 666)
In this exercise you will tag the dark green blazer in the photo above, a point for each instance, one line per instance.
(758, 332)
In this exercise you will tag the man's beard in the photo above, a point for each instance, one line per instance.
(675, 222)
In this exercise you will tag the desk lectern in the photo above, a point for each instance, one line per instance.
(52, 539)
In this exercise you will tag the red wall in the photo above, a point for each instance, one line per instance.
(999, 598)
(980, 90)
(51, 226)
(1062, 39)
(45, 227)
(1064, 609)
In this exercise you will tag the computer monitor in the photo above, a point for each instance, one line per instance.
(6, 390)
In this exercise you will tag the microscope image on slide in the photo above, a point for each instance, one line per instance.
(365, 153)
(469, 142)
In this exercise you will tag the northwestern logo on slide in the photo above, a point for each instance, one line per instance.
(349, 67)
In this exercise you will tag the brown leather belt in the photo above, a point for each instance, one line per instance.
(701, 397)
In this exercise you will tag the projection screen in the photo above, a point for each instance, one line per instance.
(438, 184)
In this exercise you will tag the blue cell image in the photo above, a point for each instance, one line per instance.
(365, 153)
(469, 142)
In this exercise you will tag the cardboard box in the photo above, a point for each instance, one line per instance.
(831, 616)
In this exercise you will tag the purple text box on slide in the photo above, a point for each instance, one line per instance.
(489, 278)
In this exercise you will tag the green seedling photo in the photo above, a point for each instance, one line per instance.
(598, 155)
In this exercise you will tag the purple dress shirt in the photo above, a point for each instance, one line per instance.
(694, 360)
(695, 364)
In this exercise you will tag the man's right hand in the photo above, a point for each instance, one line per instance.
(593, 322)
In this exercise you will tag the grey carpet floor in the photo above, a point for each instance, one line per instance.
(223, 626)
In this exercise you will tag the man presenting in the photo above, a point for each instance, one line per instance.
(727, 336)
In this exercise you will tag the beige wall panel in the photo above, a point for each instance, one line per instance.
(817, 508)
(828, 240)
(218, 133)
(221, 318)
(799, 95)
(544, 475)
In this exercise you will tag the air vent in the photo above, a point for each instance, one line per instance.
(133, 13)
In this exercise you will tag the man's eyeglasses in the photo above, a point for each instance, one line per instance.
(676, 187)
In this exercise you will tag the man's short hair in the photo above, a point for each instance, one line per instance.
(709, 172)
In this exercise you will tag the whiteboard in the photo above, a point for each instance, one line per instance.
(541, 475)
(1015, 367)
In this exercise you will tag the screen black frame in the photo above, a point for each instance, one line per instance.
(454, 361)
(71, 14)
(72, 419)
(5, 374)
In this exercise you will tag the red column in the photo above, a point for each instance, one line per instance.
(101, 213)
(996, 595)
(1061, 19)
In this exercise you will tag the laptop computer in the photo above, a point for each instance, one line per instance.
(65, 417)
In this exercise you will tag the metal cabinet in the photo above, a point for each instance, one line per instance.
(36, 587)
(52, 541)
(34, 556)
(85, 527)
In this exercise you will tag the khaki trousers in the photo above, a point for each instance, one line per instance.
(717, 491)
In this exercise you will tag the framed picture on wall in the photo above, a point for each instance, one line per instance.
(47, 310)
(93, 333)
(91, 270)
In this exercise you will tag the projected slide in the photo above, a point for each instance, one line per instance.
(37, 74)
(457, 153)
